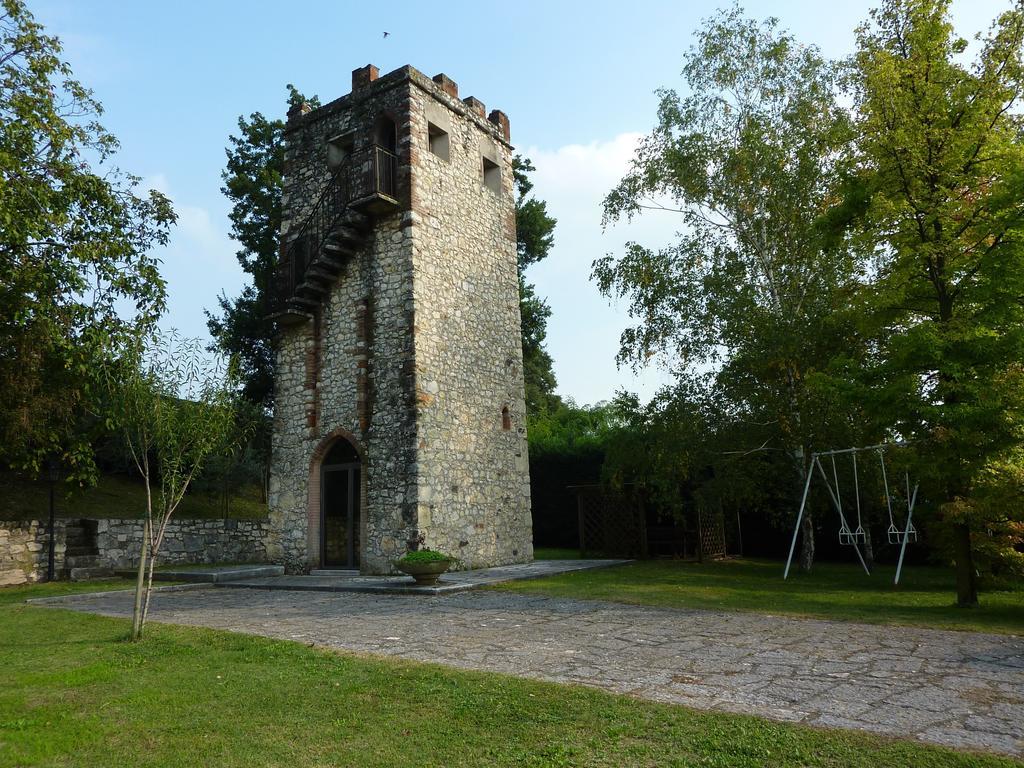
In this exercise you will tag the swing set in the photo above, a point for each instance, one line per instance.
(854, 537)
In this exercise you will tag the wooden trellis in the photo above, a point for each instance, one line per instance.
(712, 532)
(611, 523)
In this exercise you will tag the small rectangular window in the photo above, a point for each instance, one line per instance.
(437, 140)
(492, 176)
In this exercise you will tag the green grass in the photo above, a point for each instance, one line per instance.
(555, 553)
(114, 496)
(832, 591)
(18, 595)
(74, 693)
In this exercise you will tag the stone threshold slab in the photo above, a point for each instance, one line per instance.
(212, 574)
(456, 581)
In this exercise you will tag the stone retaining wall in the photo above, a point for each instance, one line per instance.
(23, 550)
(115, 543)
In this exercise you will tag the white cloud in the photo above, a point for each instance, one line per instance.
(584, 329)
(157, 181)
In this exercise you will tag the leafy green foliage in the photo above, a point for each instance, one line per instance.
(424, 556)
(942, 156)
(535, 236)
(568, 446)
(253, 183)
(176, 409)
(751, 307)
(76, 272)
(535, 228)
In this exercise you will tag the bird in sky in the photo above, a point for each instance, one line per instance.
(386, 34)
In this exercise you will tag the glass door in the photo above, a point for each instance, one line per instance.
(339, 498)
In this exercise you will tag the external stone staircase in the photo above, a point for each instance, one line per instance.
(315, 266)
(337, 226)
(81, 553)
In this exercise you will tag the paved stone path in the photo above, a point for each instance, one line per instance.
(955, 688)
(453, 581)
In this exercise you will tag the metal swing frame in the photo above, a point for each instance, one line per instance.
(846, 536)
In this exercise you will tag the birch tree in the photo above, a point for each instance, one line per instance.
(751, 301)
(176, 409)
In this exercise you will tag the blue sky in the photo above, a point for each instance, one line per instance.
(577, 80)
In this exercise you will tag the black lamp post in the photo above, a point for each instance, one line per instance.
(53, 475)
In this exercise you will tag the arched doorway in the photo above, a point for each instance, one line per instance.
(339, 506)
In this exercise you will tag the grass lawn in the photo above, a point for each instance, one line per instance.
(23, 498)
(74, 693)
(555, 553)
(832, 591)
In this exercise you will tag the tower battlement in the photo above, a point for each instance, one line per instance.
(399, 393)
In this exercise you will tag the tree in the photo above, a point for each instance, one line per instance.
(176, 410)
(253, 183)
(747, 306)
(75, 264)
(943, 165)
(567, 447)
(535, 236)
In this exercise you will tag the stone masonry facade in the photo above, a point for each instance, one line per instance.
(116, 543)
(414, 356)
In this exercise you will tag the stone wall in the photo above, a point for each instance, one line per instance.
(23, 551)
(473, 483)
(319, 364)
(186, 542)
(115, 543)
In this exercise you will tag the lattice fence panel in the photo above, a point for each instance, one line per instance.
(712, 532)
(611, 524)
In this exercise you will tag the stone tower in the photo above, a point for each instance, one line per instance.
(399, 395)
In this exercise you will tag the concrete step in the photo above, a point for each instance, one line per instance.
(87, 574)
(70, 551)
(81, 561)
(340, 573)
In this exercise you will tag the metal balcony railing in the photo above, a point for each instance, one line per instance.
(312, 235)
(384, 171)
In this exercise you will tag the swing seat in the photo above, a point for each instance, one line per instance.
(860, 534)
(896, 535)
(846, 536)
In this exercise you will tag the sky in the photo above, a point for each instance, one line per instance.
(577, 80)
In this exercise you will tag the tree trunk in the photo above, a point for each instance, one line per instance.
(966, 578)
(807, 543)
(140, 585)
(869, 550)
(805, 468)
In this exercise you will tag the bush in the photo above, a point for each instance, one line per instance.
(424, 556)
